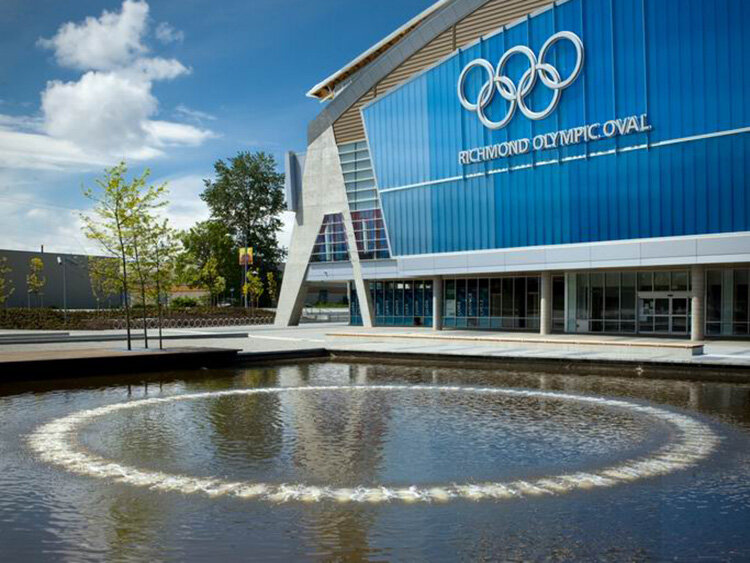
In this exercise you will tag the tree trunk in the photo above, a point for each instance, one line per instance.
(142, 283)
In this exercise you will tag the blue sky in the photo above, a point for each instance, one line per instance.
(171, 86)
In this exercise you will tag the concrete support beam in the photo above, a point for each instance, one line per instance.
(698, 291)
(323, 192)
(545, 304)
(437, 303)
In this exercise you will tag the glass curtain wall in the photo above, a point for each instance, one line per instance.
(728, 302)
(331, 245)
(397, 303)
(510, 303)
(629, 302)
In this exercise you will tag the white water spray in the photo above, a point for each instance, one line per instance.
(55, 442)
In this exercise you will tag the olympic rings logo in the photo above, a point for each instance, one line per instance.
(515, 95)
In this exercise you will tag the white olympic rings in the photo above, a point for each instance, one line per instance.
(515, 95)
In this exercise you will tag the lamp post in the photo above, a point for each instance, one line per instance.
(61, 262)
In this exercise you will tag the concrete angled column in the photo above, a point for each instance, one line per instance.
(323, 192)
(697, 302)
(545, 304)
(437, 303)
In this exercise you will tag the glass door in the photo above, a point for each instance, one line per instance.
(664, 314)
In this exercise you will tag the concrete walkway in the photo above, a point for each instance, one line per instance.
(339, 338)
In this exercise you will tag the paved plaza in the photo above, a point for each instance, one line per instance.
(340, 338)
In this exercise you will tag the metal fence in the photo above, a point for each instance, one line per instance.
(195, 322)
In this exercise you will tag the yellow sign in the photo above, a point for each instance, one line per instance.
(246, 256)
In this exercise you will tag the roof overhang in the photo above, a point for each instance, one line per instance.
(442, 16)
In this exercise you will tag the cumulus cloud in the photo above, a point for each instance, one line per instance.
(168, 34)
(110, 111)
(110, 41)
(102, 111)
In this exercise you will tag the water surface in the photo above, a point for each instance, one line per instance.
(373, 438)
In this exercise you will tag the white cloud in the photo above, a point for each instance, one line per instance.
(101, 111)
(111, 41)
(29, 123)
(185, 206)
(171, 133)
(34, 151)
(26, 224)
(109, 112)
(193, 114)
(168, 34)
(154, 68)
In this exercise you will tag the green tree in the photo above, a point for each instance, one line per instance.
(253, 288)
(248, 197)
(208, 241)
(117, 218)
(104, 276)
(6, 285)
(273, 288)
(35, 281)
(148, 200)
(162, 245)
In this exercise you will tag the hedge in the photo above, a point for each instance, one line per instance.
(54, 319)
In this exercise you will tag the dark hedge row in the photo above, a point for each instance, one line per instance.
(54, 319)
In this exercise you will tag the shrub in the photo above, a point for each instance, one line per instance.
(179, 302)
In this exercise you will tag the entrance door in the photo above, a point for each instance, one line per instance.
(663, 314)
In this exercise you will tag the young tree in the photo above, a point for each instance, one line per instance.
(35, 281)
(6, 285)
(116, 213)
(247, 196)
(273, 288)
(163, 245)
(148, 201)
(104, 275)
(253, 288)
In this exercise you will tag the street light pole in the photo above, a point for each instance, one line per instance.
(244, 269)
(61, 262)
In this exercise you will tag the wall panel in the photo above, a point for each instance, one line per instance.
(678, 61)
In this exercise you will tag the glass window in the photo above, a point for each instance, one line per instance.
(661, 281)
(679, 281)
(450, 298)
(399, 298)
(612, 296)
(460, 298)
(519, 300)
(418, 299)
(471, 298)
(508, 310)
(741, 295)
(388, 297)
(645, 281)
(582, 296)
(597, 302)
(713, 296)
(532, 297)
(428, 299)
(379, 310)
(484, 297)
(496, 288)
(408, 299)
(627, 296)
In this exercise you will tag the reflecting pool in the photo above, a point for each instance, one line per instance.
(331, 460)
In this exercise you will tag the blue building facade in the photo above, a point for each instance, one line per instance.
(677, 63)
(581, 168)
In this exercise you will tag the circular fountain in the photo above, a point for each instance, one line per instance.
(689, 441)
